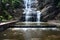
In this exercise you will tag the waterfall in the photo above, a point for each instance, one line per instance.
(38, 16)
(30, 11)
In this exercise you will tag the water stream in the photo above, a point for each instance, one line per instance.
(31, 12)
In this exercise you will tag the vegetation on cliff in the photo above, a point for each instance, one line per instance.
(12, 9)
(8, 8)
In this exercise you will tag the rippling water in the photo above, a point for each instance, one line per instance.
(30, 33)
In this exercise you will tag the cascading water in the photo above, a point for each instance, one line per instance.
(30, 11)
(38, 16)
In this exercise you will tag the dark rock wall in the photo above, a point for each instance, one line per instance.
(50, 9)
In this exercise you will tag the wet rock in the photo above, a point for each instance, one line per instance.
(49, 13)
(17, 13)
(49, 10)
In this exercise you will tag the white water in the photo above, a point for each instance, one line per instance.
(38, 16)
(29, 10)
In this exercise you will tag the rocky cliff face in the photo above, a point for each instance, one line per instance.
(50, 9)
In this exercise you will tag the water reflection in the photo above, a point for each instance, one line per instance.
(30, 34)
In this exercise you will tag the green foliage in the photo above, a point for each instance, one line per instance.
(5, 14)
(15, 4)
(59, 4)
